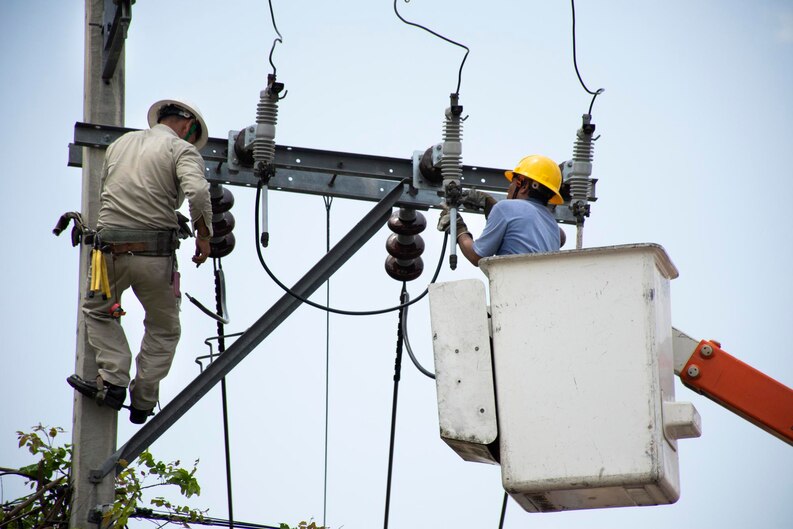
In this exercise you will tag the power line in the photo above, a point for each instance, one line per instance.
(575, 65)
(331, 309)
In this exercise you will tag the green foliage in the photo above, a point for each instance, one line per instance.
(48, 505)
(303, 525)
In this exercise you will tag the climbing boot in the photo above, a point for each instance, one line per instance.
(137, 416)
(104, 393)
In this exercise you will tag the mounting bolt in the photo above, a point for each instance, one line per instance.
(706, 351)
(693, 371)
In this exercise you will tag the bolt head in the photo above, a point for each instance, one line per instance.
(706, 351)
(693, 371)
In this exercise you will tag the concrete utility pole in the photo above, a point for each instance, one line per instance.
(93, 427)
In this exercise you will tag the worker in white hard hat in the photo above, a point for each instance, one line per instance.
(521, 224)
(146, 176)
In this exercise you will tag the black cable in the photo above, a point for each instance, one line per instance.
(397, 376)
(503, 512)
(328, 202)
(220, 308)
(575, 65)
(279, 39)
(150, 514)
(407, 343)
(460, 73)
(331, 309)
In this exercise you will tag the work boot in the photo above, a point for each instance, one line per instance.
(108, 394)
(137, 416)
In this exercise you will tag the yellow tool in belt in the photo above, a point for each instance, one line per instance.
(99, 279)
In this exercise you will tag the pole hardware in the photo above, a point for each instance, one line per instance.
(117, 17)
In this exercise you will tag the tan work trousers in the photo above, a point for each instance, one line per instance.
(150, 279)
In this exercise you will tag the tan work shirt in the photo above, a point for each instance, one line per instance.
(146, 176)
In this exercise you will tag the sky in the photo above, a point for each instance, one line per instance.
(695, 132)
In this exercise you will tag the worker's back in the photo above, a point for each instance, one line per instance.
(139, 186)
(518, 227)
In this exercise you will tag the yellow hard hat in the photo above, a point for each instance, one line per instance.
(542, 170)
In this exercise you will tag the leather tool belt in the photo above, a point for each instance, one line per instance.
(153, 243)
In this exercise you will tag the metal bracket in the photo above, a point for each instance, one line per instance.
(117, 17)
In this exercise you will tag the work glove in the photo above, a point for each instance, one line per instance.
(444, 220)
(475, 199)
(184, 230)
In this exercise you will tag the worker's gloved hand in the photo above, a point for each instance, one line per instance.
(444, 220)
(476, 199)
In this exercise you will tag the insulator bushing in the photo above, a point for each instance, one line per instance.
(452, 159)
(221, 198)
(266, 119)
(579, 181)
(403, 272)
(222, 246)
(222, 223)
(405, 246)
(409, 225)
(222, 242)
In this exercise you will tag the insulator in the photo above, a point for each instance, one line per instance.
(405, 246)
(266, 119)
(403, 271)
(583, 155)
(408, 225)
(452, 159)
(222, 241)
(222, 246)
(221, 198)
(222, 223)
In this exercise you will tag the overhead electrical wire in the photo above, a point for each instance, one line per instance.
(409, 23)
(395, 399)
(575, 65)
(331, 309)
(279, 39)
(328, 202)
(404, 320)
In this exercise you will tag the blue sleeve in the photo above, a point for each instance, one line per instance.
(490, 241)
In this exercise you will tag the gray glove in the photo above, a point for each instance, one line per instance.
(475, 199)
(444, 221)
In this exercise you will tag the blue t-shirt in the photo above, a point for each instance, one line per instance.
(518, 226)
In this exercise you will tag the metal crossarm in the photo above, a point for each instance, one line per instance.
(316, 172)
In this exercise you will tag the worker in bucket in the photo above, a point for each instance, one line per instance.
(521, 224)
(146, 176)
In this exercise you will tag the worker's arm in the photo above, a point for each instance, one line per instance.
(202, 248)
(466, 244)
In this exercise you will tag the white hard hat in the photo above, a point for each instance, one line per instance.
(155, 113)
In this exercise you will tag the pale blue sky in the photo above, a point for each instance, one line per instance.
(695, 126)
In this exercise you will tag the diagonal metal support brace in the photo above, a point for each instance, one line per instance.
(262, 328)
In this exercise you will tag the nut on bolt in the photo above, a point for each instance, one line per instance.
(693, 371)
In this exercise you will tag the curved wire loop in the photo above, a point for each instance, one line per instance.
(450, 41)
(575, 65)
(331, 309)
